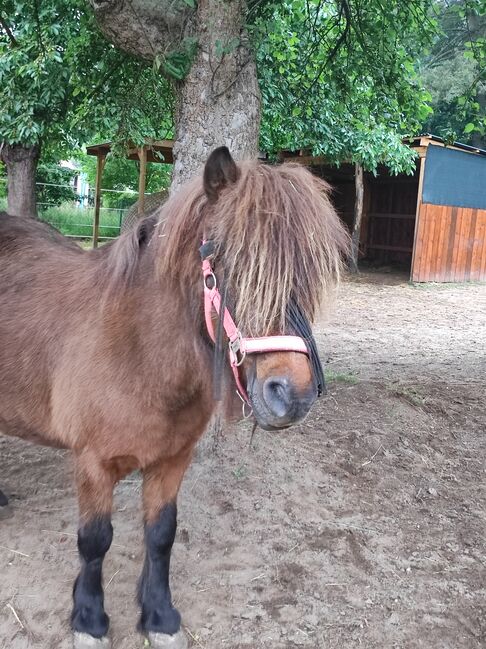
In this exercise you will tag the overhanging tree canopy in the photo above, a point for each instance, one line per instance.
(336, 75)
(455, 71)
(53, 63)
(339, 77)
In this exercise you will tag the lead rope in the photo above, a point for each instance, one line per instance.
(255, 426)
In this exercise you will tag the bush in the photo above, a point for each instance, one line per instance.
(54, 184)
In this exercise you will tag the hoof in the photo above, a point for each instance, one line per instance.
(86, 641)
(5, 512)
(165, 641)
(3, 499)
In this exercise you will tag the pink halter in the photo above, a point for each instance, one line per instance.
(239, 347)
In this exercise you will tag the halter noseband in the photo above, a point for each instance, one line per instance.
(239, 346)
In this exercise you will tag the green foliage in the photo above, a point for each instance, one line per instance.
(121, 175)
(339, 77)
(54, 184)
(455, 72)
(177, 63)
(62, 83)
(40, 44)
(448, 81)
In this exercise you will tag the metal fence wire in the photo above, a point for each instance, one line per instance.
(74, 218)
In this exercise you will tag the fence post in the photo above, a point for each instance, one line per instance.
(100, 163)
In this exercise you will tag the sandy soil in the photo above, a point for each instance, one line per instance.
(363, 527)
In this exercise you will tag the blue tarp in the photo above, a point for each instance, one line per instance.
(454, 178)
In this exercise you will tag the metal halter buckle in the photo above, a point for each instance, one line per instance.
(235, 350)
(210, 276)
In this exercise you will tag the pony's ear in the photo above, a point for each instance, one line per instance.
(145, 230)
(220, 170)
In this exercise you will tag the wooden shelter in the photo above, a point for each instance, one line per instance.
(432, 222)
(152, 151)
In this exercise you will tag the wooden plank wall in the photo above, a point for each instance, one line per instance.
(391, 218)
(450, 244)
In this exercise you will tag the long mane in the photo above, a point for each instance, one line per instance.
(277, 239)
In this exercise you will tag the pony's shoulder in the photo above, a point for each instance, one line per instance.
(16, 231)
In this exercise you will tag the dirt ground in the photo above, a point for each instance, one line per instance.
(363, 527)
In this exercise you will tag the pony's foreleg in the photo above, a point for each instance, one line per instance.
(95, 493)
(159, 619)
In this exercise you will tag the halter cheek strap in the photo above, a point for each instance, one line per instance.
(239, 346)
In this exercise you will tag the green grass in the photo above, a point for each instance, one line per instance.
(240, 472)
(340, 377)
(409, 393)
(75, 221)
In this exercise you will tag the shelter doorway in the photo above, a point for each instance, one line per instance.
(388, 227)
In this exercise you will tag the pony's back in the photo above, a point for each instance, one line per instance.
(20, 232)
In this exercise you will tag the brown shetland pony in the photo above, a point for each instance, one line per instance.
(106, 352)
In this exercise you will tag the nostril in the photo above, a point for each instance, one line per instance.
(277, 395)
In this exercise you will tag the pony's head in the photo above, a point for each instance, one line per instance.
(276, 248)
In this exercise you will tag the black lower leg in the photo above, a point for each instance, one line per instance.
(94, 540)
(154, 596)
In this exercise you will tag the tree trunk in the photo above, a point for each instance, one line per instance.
(358, 216)
(219, 101)
(21, 163)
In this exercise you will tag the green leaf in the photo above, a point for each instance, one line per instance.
(469, 127)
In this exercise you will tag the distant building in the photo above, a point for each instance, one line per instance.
(433, 222)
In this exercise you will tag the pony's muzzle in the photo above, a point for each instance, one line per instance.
(285, 405)
(278, 404)
(278, 395)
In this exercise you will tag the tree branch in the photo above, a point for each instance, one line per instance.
(8, 31)
(39, 31)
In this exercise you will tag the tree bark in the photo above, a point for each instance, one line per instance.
(21, 163)
(219, 101)
(144, 28)
(358, 216)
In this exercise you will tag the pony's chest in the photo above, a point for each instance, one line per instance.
(145, 438)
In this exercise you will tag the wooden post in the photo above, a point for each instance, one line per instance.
(100, 163)
(358, 216)
(142, 154)
(414, 270)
